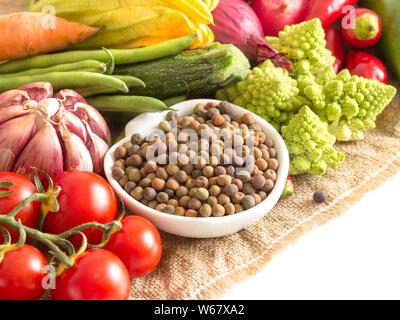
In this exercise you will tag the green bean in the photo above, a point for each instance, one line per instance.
(63, 80)
(127, 104)
(86, 65)
(100, 90)
(122, 56)
(131, 81)
(175, 100)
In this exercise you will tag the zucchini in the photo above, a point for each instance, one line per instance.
(200, 71)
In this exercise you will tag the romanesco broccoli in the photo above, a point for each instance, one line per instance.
(310, 144)
(341, 107)
(349, 104)
(305, 46)
(267, 91)
(353, 104)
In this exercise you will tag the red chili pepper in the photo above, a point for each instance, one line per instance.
(363, 64)
(288, 191)
(328, 11)
(365, 31)
(335, 44)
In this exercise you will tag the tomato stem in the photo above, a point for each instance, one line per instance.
(49, 240)
(6, 235)
(36, 196)
(53, 241)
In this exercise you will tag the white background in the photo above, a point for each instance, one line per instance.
(354, 256)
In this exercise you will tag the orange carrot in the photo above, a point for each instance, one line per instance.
(26, 34)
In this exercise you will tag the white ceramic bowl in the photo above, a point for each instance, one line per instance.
(211, 227)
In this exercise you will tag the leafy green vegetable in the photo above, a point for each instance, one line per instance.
(310, 144)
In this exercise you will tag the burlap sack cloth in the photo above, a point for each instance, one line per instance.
(206, 269)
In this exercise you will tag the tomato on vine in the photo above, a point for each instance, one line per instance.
(97, 274)
(21, 189)
(138, 245)
(21, 274)
(84, 197)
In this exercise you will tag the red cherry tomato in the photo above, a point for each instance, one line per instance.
(334, 43)
(96, 275)
(366, 65)
(365, 32)
(21, 274)
(138, 245)
(85, 197)
(23, 189)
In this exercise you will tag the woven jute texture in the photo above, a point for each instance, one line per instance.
(205, 269)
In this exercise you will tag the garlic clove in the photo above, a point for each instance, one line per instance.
(38, 90)
(94, 119)
(76, 155)
(74, 124)
(14, 135)
(45, 110)
(43, 152)
(50, 106)
(12, 112)
(12, 97)
(69, 98)
(97, 148)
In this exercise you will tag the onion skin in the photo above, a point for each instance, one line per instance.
(274, 15)
(50, 161)
(14, 135)
(236, 23)
(237, 31)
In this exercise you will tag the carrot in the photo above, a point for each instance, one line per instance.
(26, 34)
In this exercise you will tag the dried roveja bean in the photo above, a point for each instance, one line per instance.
(319, 197)
(207, 164)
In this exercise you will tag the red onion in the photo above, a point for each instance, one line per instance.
(39, 131)
(274, 15)
(235, 22)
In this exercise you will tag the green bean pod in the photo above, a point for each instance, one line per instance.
(175, 100)
(131, 81)
(96, 90)
(86, 65)
(122, 56)
(63, 80)
(127, 104)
